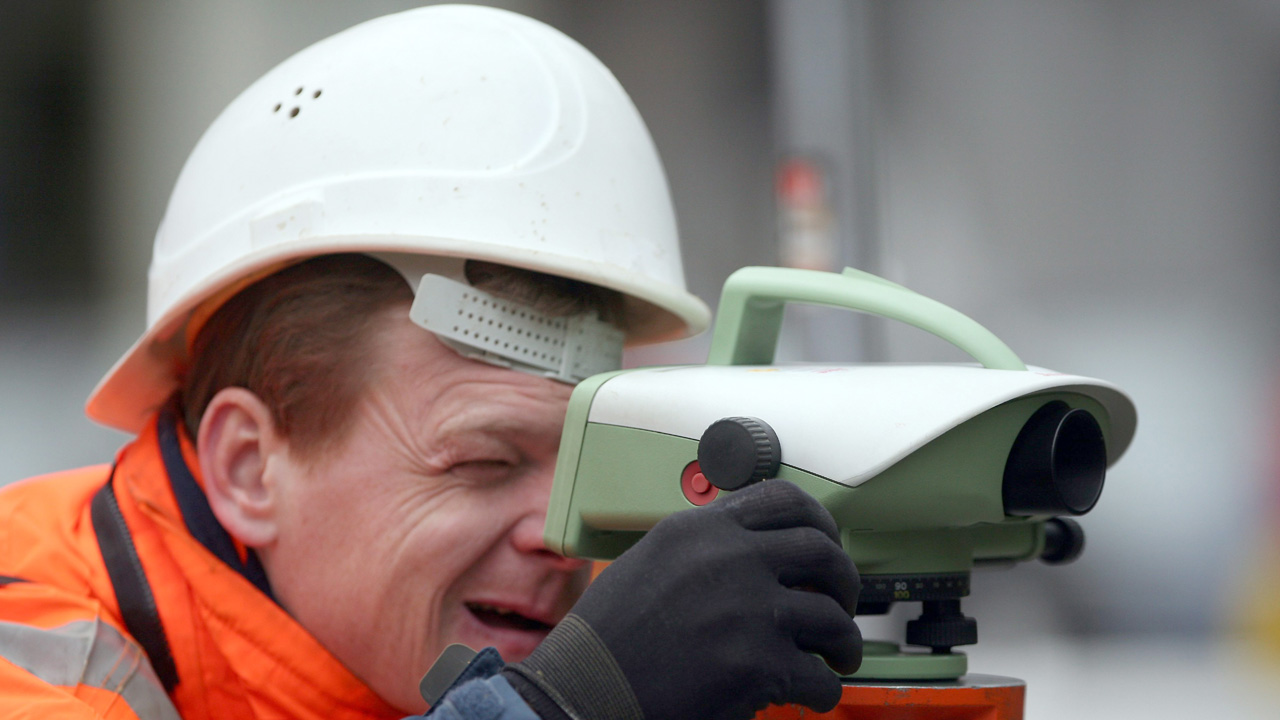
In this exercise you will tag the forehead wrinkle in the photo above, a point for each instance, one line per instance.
(434, 428)
(506, 410)
(438, 394)
(382, 409)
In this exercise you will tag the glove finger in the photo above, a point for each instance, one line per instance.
(813, 685)
(777, 504)
(804, 557)
(817, 625)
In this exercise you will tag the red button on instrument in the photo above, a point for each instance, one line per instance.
(697, 489)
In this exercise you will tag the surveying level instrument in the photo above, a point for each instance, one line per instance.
(929, 470)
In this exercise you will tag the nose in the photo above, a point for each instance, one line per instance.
(527, 535)
(528, 539)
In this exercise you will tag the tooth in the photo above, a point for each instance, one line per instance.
(493, 609)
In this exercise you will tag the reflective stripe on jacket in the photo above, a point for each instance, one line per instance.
(92, 662)
(65, 650)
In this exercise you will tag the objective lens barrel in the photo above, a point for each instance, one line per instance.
(1057, 463)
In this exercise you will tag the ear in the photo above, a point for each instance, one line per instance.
(236, 438)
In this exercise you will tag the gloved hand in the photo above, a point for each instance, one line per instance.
(716, 613)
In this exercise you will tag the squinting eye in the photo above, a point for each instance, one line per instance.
(483, 471)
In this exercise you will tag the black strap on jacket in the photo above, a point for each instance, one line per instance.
(133, 592)
(196, 513)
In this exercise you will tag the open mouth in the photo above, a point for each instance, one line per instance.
(503, 618)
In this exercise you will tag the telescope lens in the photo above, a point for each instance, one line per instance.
(1079, 461)
(1057, 463)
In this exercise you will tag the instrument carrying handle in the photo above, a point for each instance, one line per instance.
(751, 305)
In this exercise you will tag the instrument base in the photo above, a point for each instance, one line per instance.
(887, 661)
(971, 697)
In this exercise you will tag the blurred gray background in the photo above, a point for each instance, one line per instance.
(1096, 182)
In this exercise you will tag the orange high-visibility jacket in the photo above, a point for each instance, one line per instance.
(177, 604)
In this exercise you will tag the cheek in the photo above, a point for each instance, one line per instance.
(435, 545)
(405, 563)
(404, 539)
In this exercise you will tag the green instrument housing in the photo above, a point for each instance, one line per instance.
(924, 514)
(915, 526)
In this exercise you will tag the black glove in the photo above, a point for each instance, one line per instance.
(717, 612)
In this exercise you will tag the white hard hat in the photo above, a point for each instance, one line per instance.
(453, 131)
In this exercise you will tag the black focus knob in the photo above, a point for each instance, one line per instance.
(1063, 541)
(942, 626)
(737, 451)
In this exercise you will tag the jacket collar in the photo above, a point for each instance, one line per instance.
(238, 652)
(175, 447)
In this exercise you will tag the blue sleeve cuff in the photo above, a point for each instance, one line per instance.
(490, 698)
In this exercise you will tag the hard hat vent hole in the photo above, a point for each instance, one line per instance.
(293, 111)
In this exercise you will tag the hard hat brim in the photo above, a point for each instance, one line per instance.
(150, 371)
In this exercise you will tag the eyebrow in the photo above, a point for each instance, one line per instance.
(502, 425)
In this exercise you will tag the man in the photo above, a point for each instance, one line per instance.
(380, 274)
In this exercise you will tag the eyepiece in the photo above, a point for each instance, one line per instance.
(1057, 463)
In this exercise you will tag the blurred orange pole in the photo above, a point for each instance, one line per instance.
(1257, 610)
